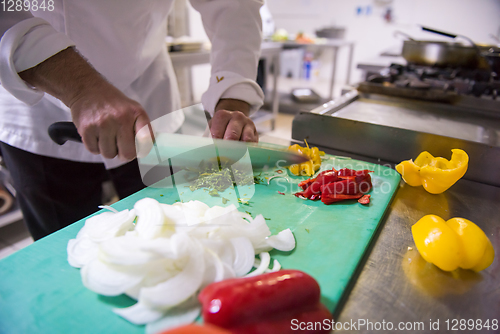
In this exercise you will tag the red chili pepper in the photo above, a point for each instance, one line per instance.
(265, 303)
(279, 192)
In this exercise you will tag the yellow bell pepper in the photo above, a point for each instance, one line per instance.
(307, 168)
(434, 173)
(454, 243)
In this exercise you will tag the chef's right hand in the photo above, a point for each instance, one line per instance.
(108, 121)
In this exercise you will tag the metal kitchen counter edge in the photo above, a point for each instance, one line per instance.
(394, 285)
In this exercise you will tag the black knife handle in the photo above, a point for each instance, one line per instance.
(61, 132)
(447, 34)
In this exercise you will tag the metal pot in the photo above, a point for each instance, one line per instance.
(493, 58)
(442, 54)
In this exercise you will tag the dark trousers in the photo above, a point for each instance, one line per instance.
(54, 193)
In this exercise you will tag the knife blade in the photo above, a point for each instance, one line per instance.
(173, 152)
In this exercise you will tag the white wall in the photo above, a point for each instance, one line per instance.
(372, 34)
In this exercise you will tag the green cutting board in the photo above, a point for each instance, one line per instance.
(41, 293)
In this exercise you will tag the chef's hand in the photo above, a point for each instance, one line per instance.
(231, 121)
(106, 119)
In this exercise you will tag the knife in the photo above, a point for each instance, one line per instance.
(173, 152)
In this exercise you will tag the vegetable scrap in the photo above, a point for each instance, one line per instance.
(435, 174)
(332, 186)
(265, 303)
(170, 253)
(244, 201)
(277, 176)
(279, 192)
(310, 167)
(455, 243)
(364, 200)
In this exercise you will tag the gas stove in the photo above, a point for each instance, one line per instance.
(457, 86)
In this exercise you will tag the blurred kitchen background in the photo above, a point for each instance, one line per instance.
(314, 50)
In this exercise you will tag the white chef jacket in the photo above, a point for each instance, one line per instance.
(124, 40)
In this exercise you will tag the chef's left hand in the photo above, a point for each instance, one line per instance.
(231, 121)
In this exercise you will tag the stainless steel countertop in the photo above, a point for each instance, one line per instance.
(396, 285)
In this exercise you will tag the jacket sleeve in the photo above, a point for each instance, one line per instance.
(234, 28)
(25, 45)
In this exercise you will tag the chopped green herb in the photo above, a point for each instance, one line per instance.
(224, 200)
(244, 201)
(307, 230)
(161, 195)
(219, 177)
(213, 192)
(267, 218)
(248, 213)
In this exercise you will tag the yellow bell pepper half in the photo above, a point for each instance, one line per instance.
(434, 173)
(454, 243)
(307, 168)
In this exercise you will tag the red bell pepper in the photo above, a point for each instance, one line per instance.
(364, 200)
(263, 304)
(333, 186)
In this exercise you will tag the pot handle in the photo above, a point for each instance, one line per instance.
(405, 35)
(442, 33)
(447, 34)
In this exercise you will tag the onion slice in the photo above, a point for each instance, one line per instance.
(81, 251)
(265, 259)
(243, 255)
(103, 279)
(283, 241)
(139, 314)
(180, 287)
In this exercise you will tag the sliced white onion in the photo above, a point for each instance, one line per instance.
(257, 230)
(107, 207)
(180, 287)
(283, 241)
(194, 211)
(169, 255)
(150, 219)
(139, 314)
(126, 250)
(243, 255)
(214, 268)
(265, 259)
(276, 267)
(182, 314)
(108, 225)
(105, 280)
(81, 251)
